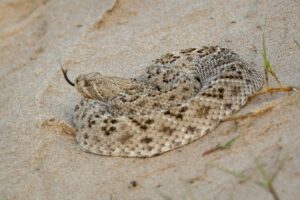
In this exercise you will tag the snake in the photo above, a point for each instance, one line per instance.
(177, 99)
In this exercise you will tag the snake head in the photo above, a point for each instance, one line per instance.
(85, 84)
(91, 86)
(96, 86)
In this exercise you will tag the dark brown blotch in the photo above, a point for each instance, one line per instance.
(185, 89)
(172, 97)
(228, 105)
(124, 138)
(144, 127)
(90, 123)
(113, 121)
(221, 90)
(168, 112)
(191, 129)
(202, 111)
(166, 80)
(235, 90)
(184, 98)
(198, 79)
(183, 109)
(76, 107)
(239, 77)
(136, 122)
(207, 94)
(149, 148)
(176, 115)
(107, 131)
(158, 89)
(83, 115)
(149, 121)
(81, 103)
(155, 105)
(112, 129)
(85, 136)
(146, 140)
(167, 130)
(186, 51)
(179, 116)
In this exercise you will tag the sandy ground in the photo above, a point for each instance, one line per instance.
(38, 161)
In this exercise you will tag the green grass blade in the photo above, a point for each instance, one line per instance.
(297, 43)
(267, 65)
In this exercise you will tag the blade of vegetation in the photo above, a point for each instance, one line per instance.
(267, 181)
(239, 175)
(297, 43)
(219, 147)
(228, 144)
(267, 65)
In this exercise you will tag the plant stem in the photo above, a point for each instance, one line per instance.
(273, 192)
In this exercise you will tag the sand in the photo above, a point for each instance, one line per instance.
(119, 38)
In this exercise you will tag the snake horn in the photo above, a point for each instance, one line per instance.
(64, 71)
